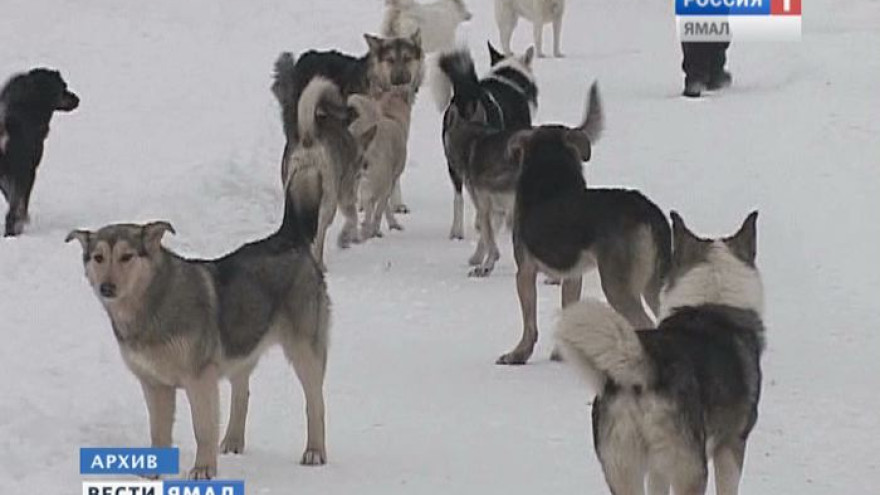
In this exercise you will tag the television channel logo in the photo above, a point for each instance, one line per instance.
(740, 20)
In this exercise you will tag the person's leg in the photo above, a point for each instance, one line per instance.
(718, 77)
(694, 65)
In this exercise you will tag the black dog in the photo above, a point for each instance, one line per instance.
(27, 102)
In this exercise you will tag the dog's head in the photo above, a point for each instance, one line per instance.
(395, 61)
(50, 88)
(522, 62)
(121, 259)
(714, 271)
(554, 140)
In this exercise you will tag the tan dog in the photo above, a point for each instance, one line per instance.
(388, 118)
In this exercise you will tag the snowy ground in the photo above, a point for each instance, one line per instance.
(177, 122)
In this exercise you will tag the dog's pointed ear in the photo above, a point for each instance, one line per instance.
(83, 236)
(580, 142)
(527, 58)
(744, 244)
(416, 38)
(686, 245)
(373, 42)
(494, 55)
(516, 145)
(365, 138)
(151, 235)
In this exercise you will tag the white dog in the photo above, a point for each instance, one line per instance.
(540, 12)
(435, 21)
(387, 117)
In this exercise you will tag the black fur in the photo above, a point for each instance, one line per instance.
(27, 103)
(558, 216)
(506, 107)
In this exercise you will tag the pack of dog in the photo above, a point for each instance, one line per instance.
(382, 123)
(668, 400)
(27, 103)
(563, 228)
(538, 12)
(436, 21)
(187, 323)
(507, 96)
(327, 159)
(389, 62)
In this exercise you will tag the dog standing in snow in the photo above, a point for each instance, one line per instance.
(435, 21)
(387, 118)
(539, 12)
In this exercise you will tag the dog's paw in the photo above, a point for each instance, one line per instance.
(513, 358)
(541, 55)
(232, 445)
(314, 457)
(456, 234)
(481, 271)
(559, 55)
(476, 259)
(203, 472)
(395, 226)
(401, 208)
(552, 281)
(556, 355)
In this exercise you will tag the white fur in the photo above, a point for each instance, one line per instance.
(441, 86)
(602, 343)
(722, 279)
(308, 105)
(436, 22)
(538, 12)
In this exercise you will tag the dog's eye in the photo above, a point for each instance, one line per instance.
(125, 258)
(98, 258)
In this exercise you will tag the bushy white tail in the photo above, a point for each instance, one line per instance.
(318, 90)
(603, 345)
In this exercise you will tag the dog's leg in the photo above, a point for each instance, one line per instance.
(233, 441)
(658, 483)
(397, 203)
(571, 293)
(393, 224)
(349, 233)
(487, 237)
(538, 33)
(506, 19)
(310, 363)
(557, 32)
(204, 400)
(457, 230)
(526, 290)
(160, 406)
(16, 216)
(616, 272)
(728, 460)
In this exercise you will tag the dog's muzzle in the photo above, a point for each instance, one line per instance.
(107, 290)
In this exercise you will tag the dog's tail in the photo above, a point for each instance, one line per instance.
(302, 204)
(286, 89)
(603, 345)
(457, 69)
(594, 116)
(322, 95)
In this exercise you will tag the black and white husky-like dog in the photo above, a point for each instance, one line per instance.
(670, 399)
(507, 96)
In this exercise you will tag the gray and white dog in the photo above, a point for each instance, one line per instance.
(490, 172)
(326, 161)
(670, 399)
(565, 229)
(187, 323)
